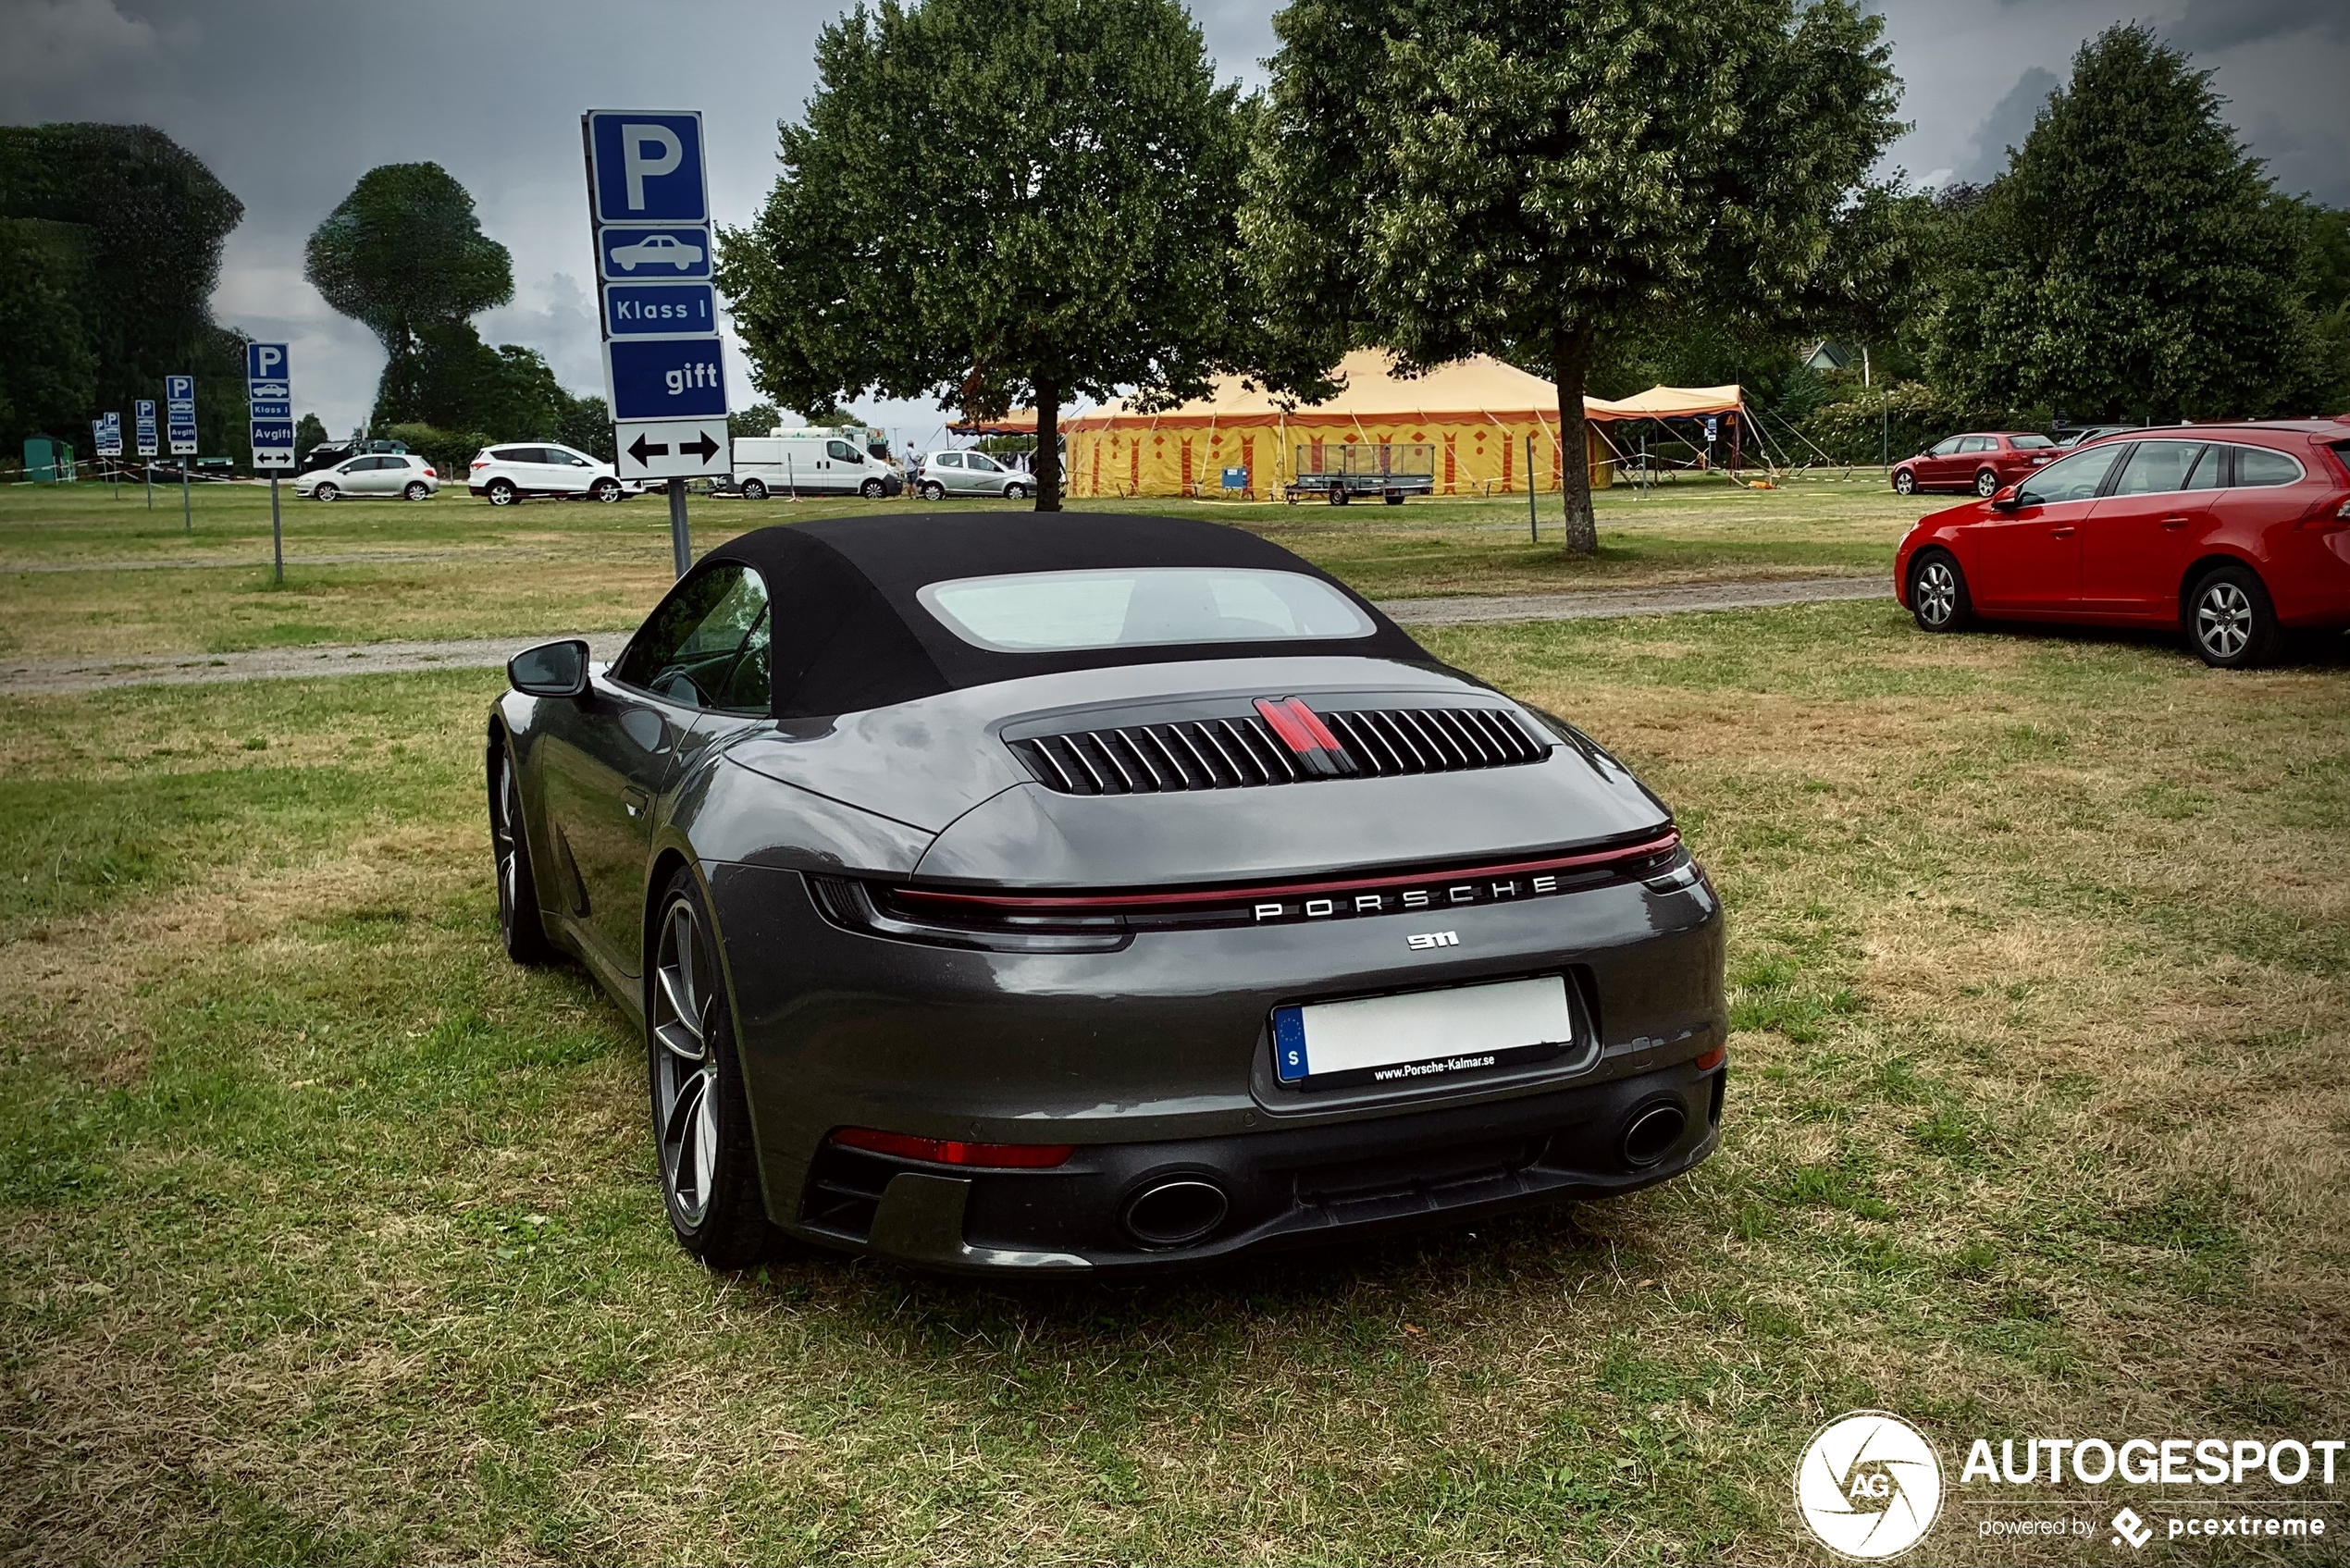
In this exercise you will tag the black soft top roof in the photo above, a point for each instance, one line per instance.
(848, 632)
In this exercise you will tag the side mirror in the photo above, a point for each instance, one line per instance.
(2010, 497)
(553, 669)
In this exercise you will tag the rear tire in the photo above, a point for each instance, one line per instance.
(417, 490)
(754, 490)
(2231, 620)
(1986, 483)
(520, 925)
(1938, 599)
(501, 492)
(1904, 482)
(933, 491)
(605, 490)
(325, 492)
(1016, 492)
(701, 1116)
(1338, 495)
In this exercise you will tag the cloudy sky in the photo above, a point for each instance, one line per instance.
(289, 104)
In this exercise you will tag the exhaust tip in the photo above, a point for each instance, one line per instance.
(1652, 1132)
(1176, 1212)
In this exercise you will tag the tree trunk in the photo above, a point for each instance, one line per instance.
(1049, 446)
(1570, 361)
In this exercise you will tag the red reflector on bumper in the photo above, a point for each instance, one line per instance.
(947, 1150)
(1711, 1059)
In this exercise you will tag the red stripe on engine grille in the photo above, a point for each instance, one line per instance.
(1237, 895)
(1294, 735)
(1314, 725)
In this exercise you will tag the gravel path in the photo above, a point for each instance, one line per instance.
(385, 658)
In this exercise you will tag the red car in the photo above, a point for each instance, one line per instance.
(1981, 460)
(2231, 532)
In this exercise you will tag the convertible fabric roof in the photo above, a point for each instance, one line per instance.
(848, 632)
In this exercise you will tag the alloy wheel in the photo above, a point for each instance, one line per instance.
(416, 492)
(2223, 618)
(327, 492)
(1905, 483)
(1936, 593)
(1986, 483)
(686, 1068)
(505, 827)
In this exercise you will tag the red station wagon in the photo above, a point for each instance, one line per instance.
(2233, 533)
(1981, 460)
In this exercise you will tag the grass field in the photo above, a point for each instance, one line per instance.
(331, 1235)
(83, 572)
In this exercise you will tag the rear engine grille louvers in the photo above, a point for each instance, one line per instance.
(1246, 751)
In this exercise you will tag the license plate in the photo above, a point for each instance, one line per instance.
(1422, 1035)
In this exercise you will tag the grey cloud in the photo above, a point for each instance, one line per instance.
(2227, 24)
(2007, 125)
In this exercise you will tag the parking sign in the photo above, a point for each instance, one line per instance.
(108, 429)
(269, 401)
(646, 168)
(180, 413)
(146, 415)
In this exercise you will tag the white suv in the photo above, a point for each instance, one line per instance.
(506, 474)
(372, 473)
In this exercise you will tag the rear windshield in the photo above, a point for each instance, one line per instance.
(2031, 441)
(1140, 607)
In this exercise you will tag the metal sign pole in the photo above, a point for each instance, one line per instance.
(681, 539)
(187, 518)
(147, 471)
(1533, 525)
(277, 535)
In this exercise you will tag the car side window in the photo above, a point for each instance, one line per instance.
(686, 649)
(948, 460)
(2158, 467)
(840, 451)
(984, 465)
(749, 684)
(571, 457)
(1976, 443)
(2258, 465)
(1945, 448)
(2069, 478)
(2211, 469)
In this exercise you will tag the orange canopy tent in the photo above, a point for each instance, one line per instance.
(1476, 415)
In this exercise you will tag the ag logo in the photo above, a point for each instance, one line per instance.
(1869, 1486)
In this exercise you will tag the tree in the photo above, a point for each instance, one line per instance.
(110, 241)
(755, 420)
(1532, 180)
(311, 432)
(2133, 262)
(404, 253)
(997, 202)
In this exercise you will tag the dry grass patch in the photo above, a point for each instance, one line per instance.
(2037, 1128)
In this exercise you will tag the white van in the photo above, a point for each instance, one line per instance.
(808, 462)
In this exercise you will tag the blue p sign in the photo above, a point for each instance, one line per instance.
(264, 362)
(648, 168)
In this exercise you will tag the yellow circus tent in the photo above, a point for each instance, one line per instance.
(1477, 413)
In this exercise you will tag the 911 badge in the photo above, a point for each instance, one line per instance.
(1424, 940)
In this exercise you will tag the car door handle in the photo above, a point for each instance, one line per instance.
(2059, 533)
(636, 800)
(2174, 521)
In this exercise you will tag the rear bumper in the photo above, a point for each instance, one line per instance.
(1278, 1188)
(1158, 1057)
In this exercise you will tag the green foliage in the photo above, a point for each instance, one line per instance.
(310, 432)
(451, 452)
(2133, 262)
(586, 423)
(110, 239)
(1456, 177)
(755, 420)
(997, 202)
(404, 255)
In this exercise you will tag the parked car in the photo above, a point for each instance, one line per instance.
(505, 474)
(1088, 895)
(970, 474)
(808, 462)
(1980, 460)
(2232, 533)
(404, 474)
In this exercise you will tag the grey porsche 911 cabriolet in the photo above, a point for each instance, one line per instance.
(1096, 892)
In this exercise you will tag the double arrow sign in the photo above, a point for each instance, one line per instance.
(703, 447)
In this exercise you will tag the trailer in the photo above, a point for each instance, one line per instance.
(1339, 471)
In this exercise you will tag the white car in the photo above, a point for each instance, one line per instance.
(655, 249)
(403, 475)
(970, 474)
(506, 474)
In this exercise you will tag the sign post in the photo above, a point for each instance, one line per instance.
(180, 415)
(107, 428)
(269, 407)
(1533, 524)
(648, 212)
(144, 412)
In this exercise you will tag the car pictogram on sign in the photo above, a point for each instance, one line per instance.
(655, 249)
